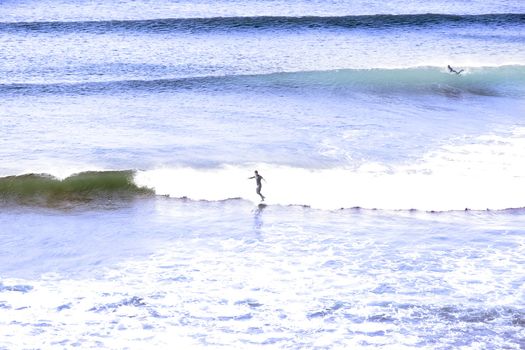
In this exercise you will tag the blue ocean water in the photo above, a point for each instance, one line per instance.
(394, 187)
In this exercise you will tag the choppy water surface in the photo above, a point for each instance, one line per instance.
(394, 187)
(223, 274)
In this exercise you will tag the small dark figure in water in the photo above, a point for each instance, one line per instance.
(258, 179)
(452, 70)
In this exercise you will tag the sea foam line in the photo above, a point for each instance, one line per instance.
(486, 174)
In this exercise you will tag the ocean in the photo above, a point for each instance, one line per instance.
(394, 215)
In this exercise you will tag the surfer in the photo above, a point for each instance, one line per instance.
(258, 179)
(452, 70)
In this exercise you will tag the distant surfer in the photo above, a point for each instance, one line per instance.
(452, 70)
(258, 179)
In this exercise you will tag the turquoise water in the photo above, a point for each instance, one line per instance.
(394, 188)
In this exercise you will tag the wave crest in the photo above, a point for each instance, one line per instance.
(506, 80)
(46, 190)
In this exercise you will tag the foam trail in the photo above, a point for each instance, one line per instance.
(341, 188)
(487, 174)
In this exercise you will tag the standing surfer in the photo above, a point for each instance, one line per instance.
(258, 179)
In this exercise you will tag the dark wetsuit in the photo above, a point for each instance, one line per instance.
(452, 70)
(258, 179)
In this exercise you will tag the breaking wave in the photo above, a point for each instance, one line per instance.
(46, 190)
(484, 173)
(369, 187)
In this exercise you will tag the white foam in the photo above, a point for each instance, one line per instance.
(485, 173)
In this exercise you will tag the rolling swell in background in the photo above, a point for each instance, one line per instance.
(484, 81)
(244, 45)
(219, 24)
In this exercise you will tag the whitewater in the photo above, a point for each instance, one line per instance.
(394, 188)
